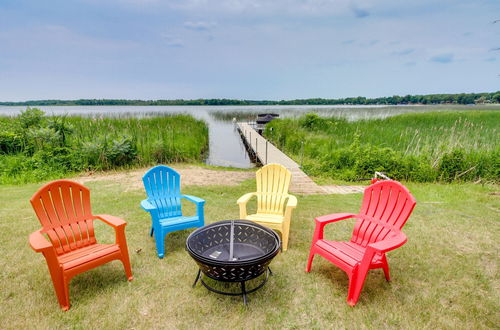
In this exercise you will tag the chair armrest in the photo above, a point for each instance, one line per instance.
(290, 205)
(325, 219)
(147, 206)
(242, 202)
(245, 198)
(193, 199)
(390, 243)
(38, 242)
(200, 204)
(292, 201)
(111, 220)
(118, 225)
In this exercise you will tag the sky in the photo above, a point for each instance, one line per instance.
(246, 49)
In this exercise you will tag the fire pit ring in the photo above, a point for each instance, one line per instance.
(233, 251)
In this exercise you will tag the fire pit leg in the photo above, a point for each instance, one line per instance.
(270, 272)
(197, 278)
(244, 292)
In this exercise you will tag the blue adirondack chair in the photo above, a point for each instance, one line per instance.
(163, 188)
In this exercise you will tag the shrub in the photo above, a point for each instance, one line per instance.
(451, 165)
(61, 127)
(312, 121)
(93, 155)
(31, 117)
(10, 143)
(40, 138)
(105, 154)
(121, 151)
(61, 159)
(370, 159)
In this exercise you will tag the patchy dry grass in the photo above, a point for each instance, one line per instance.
(446, 276)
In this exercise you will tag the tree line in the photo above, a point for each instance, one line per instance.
(463, 98)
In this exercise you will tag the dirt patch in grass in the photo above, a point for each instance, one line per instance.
(190, 176)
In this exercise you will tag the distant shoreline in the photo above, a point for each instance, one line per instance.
(430, 99)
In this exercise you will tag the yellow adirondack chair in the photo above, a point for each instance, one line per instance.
(273, 181)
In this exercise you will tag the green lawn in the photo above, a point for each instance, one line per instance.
(445, 276)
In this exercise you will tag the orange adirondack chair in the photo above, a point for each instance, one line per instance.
(63, 208)
(385, 209)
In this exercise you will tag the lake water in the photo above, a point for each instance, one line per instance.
(225, 145)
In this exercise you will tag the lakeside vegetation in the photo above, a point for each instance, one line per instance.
(423, 147)
(462, 98)
(35, 147)
(349, 113)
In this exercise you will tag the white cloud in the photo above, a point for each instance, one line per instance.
(172, 41)
(199, 25)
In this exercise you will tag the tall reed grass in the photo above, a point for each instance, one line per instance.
(176, 138)
(442, 146)
(34, 147)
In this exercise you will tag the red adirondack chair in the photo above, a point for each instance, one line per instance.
(385, 209)
(63, 208)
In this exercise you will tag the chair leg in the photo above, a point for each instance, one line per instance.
(356, 282)
(160, 243)
(66, 282)
(126, 264)
(284, 236)
(385, 266)
(350, 290)
(125, 258)
(151, 231)
(310, 260)
(58, 282)
(57, 276)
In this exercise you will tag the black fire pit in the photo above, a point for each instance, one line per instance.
(233, 251)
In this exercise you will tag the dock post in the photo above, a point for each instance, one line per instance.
(301, 153)
(266, 150)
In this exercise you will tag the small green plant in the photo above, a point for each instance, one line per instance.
(31, 117)
(10, 143)
(312, 121)
(62, 127)
(121, 151)
(451, 165)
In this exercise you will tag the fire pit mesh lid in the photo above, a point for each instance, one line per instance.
(204, 239)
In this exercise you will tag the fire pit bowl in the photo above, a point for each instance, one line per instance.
(233, 251)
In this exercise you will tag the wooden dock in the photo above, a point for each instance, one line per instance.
(267, 153)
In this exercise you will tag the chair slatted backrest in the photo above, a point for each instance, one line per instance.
(273, 181)
(63, 208)
(163, 188)
(385, 209)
